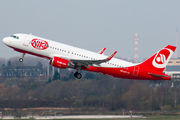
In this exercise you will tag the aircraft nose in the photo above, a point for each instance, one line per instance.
(5, 40)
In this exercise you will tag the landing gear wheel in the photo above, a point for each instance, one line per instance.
(77, 75)
(20, 59)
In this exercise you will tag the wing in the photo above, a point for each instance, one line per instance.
(87, 63)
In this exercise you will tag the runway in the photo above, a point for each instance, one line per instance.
(75, 117)
(88, 116)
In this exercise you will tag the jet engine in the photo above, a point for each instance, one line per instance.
(60, 63)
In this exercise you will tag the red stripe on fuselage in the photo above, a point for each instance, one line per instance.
(23, 51)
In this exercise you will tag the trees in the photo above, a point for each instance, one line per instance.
(3, 65)
(39, 64)
(100, 91)
(9, 63)
(89, 75)
(56, 76)
(49, 80)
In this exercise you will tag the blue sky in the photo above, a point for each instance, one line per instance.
(94, 24)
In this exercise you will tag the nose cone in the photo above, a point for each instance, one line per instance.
(5, 40)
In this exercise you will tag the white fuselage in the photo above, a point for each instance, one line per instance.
(63, 50)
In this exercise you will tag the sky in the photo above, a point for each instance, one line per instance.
(94, 24)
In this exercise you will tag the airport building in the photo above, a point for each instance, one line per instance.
(173, 69)
(22, 71)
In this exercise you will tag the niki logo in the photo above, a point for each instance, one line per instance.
(161, 58)
(39, 44)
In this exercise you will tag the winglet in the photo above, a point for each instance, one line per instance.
(111, 56)
(101, 51)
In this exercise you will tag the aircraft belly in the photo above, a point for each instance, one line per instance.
(116, 72)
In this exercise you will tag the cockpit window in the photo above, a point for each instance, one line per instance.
(16, 37)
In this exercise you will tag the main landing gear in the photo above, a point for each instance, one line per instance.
(77, 75)
(21, 59)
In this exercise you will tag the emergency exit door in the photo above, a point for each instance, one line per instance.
(136, 71)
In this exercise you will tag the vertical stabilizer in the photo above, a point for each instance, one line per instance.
(158, 61)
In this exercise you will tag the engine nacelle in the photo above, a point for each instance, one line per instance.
(59, 62)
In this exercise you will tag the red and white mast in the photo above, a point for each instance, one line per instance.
(136, 47)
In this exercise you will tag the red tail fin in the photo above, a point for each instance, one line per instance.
(159, 60)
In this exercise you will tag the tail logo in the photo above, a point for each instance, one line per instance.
(162, 57)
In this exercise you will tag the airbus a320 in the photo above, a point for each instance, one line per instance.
(65, 56)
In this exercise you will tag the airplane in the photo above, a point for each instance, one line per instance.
(65, 56)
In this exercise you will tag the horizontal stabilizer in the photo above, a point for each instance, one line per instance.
(157, 75)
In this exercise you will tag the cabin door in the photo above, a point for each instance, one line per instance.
(27, 40)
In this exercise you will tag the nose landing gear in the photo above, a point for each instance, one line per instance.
(21, 59)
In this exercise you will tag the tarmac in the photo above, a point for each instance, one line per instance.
(76, 117)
